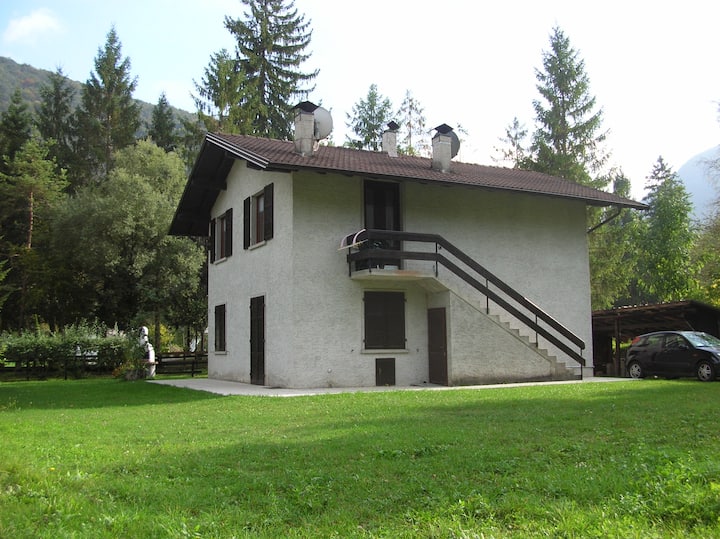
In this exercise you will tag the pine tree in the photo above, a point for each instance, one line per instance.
(108, 117)
(369, 118)
(271, 44)
(15, 128)
(54, 118)
(219, 92)
(666, 239)
(567, 141)
(162, 126)
(412, 123)
(514, 151)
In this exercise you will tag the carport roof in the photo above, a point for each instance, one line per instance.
(628, 322)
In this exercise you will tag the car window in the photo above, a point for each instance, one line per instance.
(654, 341)
(703, 339)
(674, 342)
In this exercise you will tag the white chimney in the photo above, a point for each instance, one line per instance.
(304, 128)
(389, 139)
(445, 146)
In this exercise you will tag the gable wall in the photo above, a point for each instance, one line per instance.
(259, 271)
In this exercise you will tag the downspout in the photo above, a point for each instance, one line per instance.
(605, 221)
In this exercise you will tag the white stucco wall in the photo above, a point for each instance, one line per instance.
(314, 310)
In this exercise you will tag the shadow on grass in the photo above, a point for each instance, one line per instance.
(92, 393)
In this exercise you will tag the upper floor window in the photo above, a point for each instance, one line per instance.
(221, 236)
(258, 217)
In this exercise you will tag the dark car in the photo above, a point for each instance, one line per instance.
(674, 354)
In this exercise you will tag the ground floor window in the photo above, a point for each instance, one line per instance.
(220, 343)
(384, 320)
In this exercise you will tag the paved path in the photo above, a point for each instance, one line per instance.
(223, 387)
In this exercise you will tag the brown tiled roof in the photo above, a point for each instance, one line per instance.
(213, 164)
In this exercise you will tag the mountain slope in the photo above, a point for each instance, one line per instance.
(30, 80)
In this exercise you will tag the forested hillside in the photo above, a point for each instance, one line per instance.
(30, 79)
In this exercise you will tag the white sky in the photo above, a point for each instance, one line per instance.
(653, 67)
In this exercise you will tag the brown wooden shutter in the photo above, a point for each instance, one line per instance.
(384, 320)
(268, 213)
(228, 232)
(212, 240)
(246, 222)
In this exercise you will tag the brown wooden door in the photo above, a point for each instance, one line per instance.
(257, 340)
(437, 346)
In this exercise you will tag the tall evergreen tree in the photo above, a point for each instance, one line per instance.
(514, 150)
(665, 271)
(162, 126)
(567, 141)
(411, 117)
(15, 128)
(108, 117)
(219, 92)
(271, 44)
(54, 118)
(369, 118)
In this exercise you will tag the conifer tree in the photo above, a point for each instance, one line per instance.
(271, 44)
(108, 117)
(162, 126)
(369, 118)
(219, 92)
(15, 128)
(567, 141)
(665, 270)
(412, 123)
(54, 118)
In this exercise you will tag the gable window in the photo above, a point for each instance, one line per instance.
(258, 217)
(220, 342)
(221, 236)
(384, 320)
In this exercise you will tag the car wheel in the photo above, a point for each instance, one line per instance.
(705, 371)
(635, 370)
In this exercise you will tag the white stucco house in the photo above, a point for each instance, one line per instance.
(335, 267)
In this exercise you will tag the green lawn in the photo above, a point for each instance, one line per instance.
(101, 458)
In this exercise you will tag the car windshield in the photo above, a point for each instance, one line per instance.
(703, 339)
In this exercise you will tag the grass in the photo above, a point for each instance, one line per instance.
(99, 458)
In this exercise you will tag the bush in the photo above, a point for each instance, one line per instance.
(52, 351)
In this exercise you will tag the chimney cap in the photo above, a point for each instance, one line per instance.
(306, 106)
(392, 126)
(443, 129)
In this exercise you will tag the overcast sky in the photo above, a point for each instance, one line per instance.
(653, 68)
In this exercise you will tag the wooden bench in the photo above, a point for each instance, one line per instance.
(181, 363)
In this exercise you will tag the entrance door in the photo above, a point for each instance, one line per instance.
(257, 340)
(437, 346)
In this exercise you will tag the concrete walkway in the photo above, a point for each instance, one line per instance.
(223, 387)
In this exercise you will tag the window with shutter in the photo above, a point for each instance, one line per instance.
(258, 217)
(384, 320)
(221, 236)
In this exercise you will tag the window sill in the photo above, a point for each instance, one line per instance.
(220, 260)
(220, 352)
(256, 245)
(376, 351)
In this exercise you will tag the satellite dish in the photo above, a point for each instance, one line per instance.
(323, 123)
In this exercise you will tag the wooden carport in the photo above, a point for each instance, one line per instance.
(622, 324)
